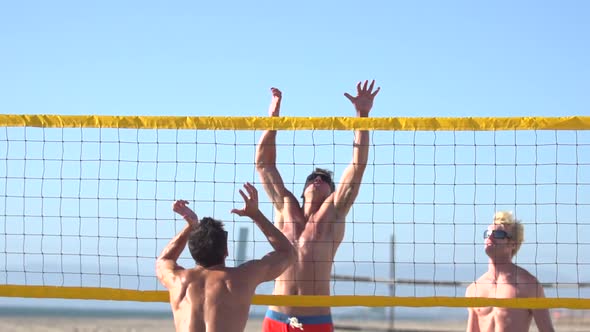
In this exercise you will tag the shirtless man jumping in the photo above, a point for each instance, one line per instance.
(316, 228)
(212, 297)
(505, 279)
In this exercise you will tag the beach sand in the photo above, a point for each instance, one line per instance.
(142, 318)
(87, 324)
(93, 324)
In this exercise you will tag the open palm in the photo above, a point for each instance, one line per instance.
(363, 102)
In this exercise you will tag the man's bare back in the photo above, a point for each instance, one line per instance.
(223, 288)
(212, 297)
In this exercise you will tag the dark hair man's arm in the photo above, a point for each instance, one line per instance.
(274, 263)
(166, 265)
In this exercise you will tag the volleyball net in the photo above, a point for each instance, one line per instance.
(85, 202)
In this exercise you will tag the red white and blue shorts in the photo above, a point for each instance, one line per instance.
(280, 322)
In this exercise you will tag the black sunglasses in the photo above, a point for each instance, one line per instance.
(325, 178)
(497, 234)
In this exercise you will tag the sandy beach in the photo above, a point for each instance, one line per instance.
(121, 324)
(82, 316)
(85, 324)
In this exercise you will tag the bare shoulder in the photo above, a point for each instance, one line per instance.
(528, 285)
(243, 278)
(483, 279)
(525, 277)
(478, 287)
(188, 276)
(245, 271)
(470, 291)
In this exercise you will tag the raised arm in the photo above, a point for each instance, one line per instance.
(266, 155)
(166, 266)
(352, 176)
(274, 263)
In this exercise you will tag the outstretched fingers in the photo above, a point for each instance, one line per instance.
(244, 196)
(250, 200)
(367, 89)
(363, 89)
(376, 92)
(241, 212)
(238, 212)
(351, 98)
(371, 86)
(363, 101)
(251, 190)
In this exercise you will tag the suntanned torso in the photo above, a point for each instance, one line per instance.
(316, 240)
(505, 280)
(519, 283)
(213, 300)
(317, 227)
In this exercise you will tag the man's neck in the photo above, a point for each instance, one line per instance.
(214, 267)
(311, 207)
(501, 267)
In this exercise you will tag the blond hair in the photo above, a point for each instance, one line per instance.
(506, 218)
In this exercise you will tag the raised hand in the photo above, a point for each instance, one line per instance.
(180, 207)
(250, 202)
(363, 102)
(275, 103)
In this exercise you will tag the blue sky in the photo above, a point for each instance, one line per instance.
(431, 58)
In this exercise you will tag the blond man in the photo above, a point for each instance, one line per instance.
(504, 279)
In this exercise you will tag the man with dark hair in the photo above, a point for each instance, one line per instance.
(208, 242)
(212, 297)
(315, 228)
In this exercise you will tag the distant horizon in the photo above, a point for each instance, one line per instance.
(460, 273)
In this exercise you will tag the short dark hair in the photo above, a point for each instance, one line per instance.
(207, 242)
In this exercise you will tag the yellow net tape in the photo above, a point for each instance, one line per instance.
(91, 293)
(296, 123)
